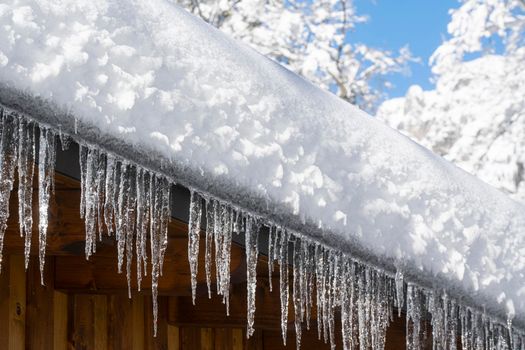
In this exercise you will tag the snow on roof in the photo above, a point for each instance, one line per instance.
(151, 76)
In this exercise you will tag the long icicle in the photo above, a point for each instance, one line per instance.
(283, 282)
(7, 168)
(46, 166)
(252, 237)
(26, 170)
(194, 226)
(210, 229)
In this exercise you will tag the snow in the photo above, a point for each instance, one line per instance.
(150, 75)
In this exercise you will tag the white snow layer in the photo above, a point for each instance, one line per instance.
(152, 75)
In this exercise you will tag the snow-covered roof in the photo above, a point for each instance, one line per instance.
(151, 81)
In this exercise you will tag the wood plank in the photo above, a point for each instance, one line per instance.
(120, 322)
(256, 341)
(83, 330)
(190, 338)
(100, 311)
(4, 301)
(206, 338)
(60, 312)
(17, 303)
(39, 317)
(160, 342)
(237, 339)
(173, 337)
(138, 321)
(223, 338)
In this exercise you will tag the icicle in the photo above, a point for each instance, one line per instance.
(346, 306)
(361, 309)
(110, 194)
(165, 219)
(8, 160)
(297, 291)
(271, 239)
(334, 295)
(121, 217)
(319, 268)
(437, 310)
(155, 246)
(414, 314)
(325, 292)
(100, 185)
(83, 159)
(26, 169)
(283, 285)
(89, 199)
(400, 291)
(46, 164)
(309, 282)
(210, 228)
(142, 222)
(252, 236)
(131, 223)
(194, 226)
(225, 251)
(65, 140)
(218, 244)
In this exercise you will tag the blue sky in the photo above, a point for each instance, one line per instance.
(421, 24)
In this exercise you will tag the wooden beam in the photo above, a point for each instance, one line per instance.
(211, 312)
(100, 275)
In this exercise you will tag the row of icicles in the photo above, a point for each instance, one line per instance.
(122, 199)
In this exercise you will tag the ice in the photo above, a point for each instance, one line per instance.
(121, 217)
(210, 229)
(8, 159)
(226, 220)
(309, 275)
(165, 215)
(46, 173)
(89, 197)
(194, 228)
(297, 290)
(109, 194)
(283, 282)
(131, 222)
(142, 223)
(252, 252)
(319, 268)
(26, 169)
(400, 291)
(414, 315)
(271, 247)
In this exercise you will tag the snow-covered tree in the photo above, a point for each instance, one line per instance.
(310, 38)
(475, 116)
